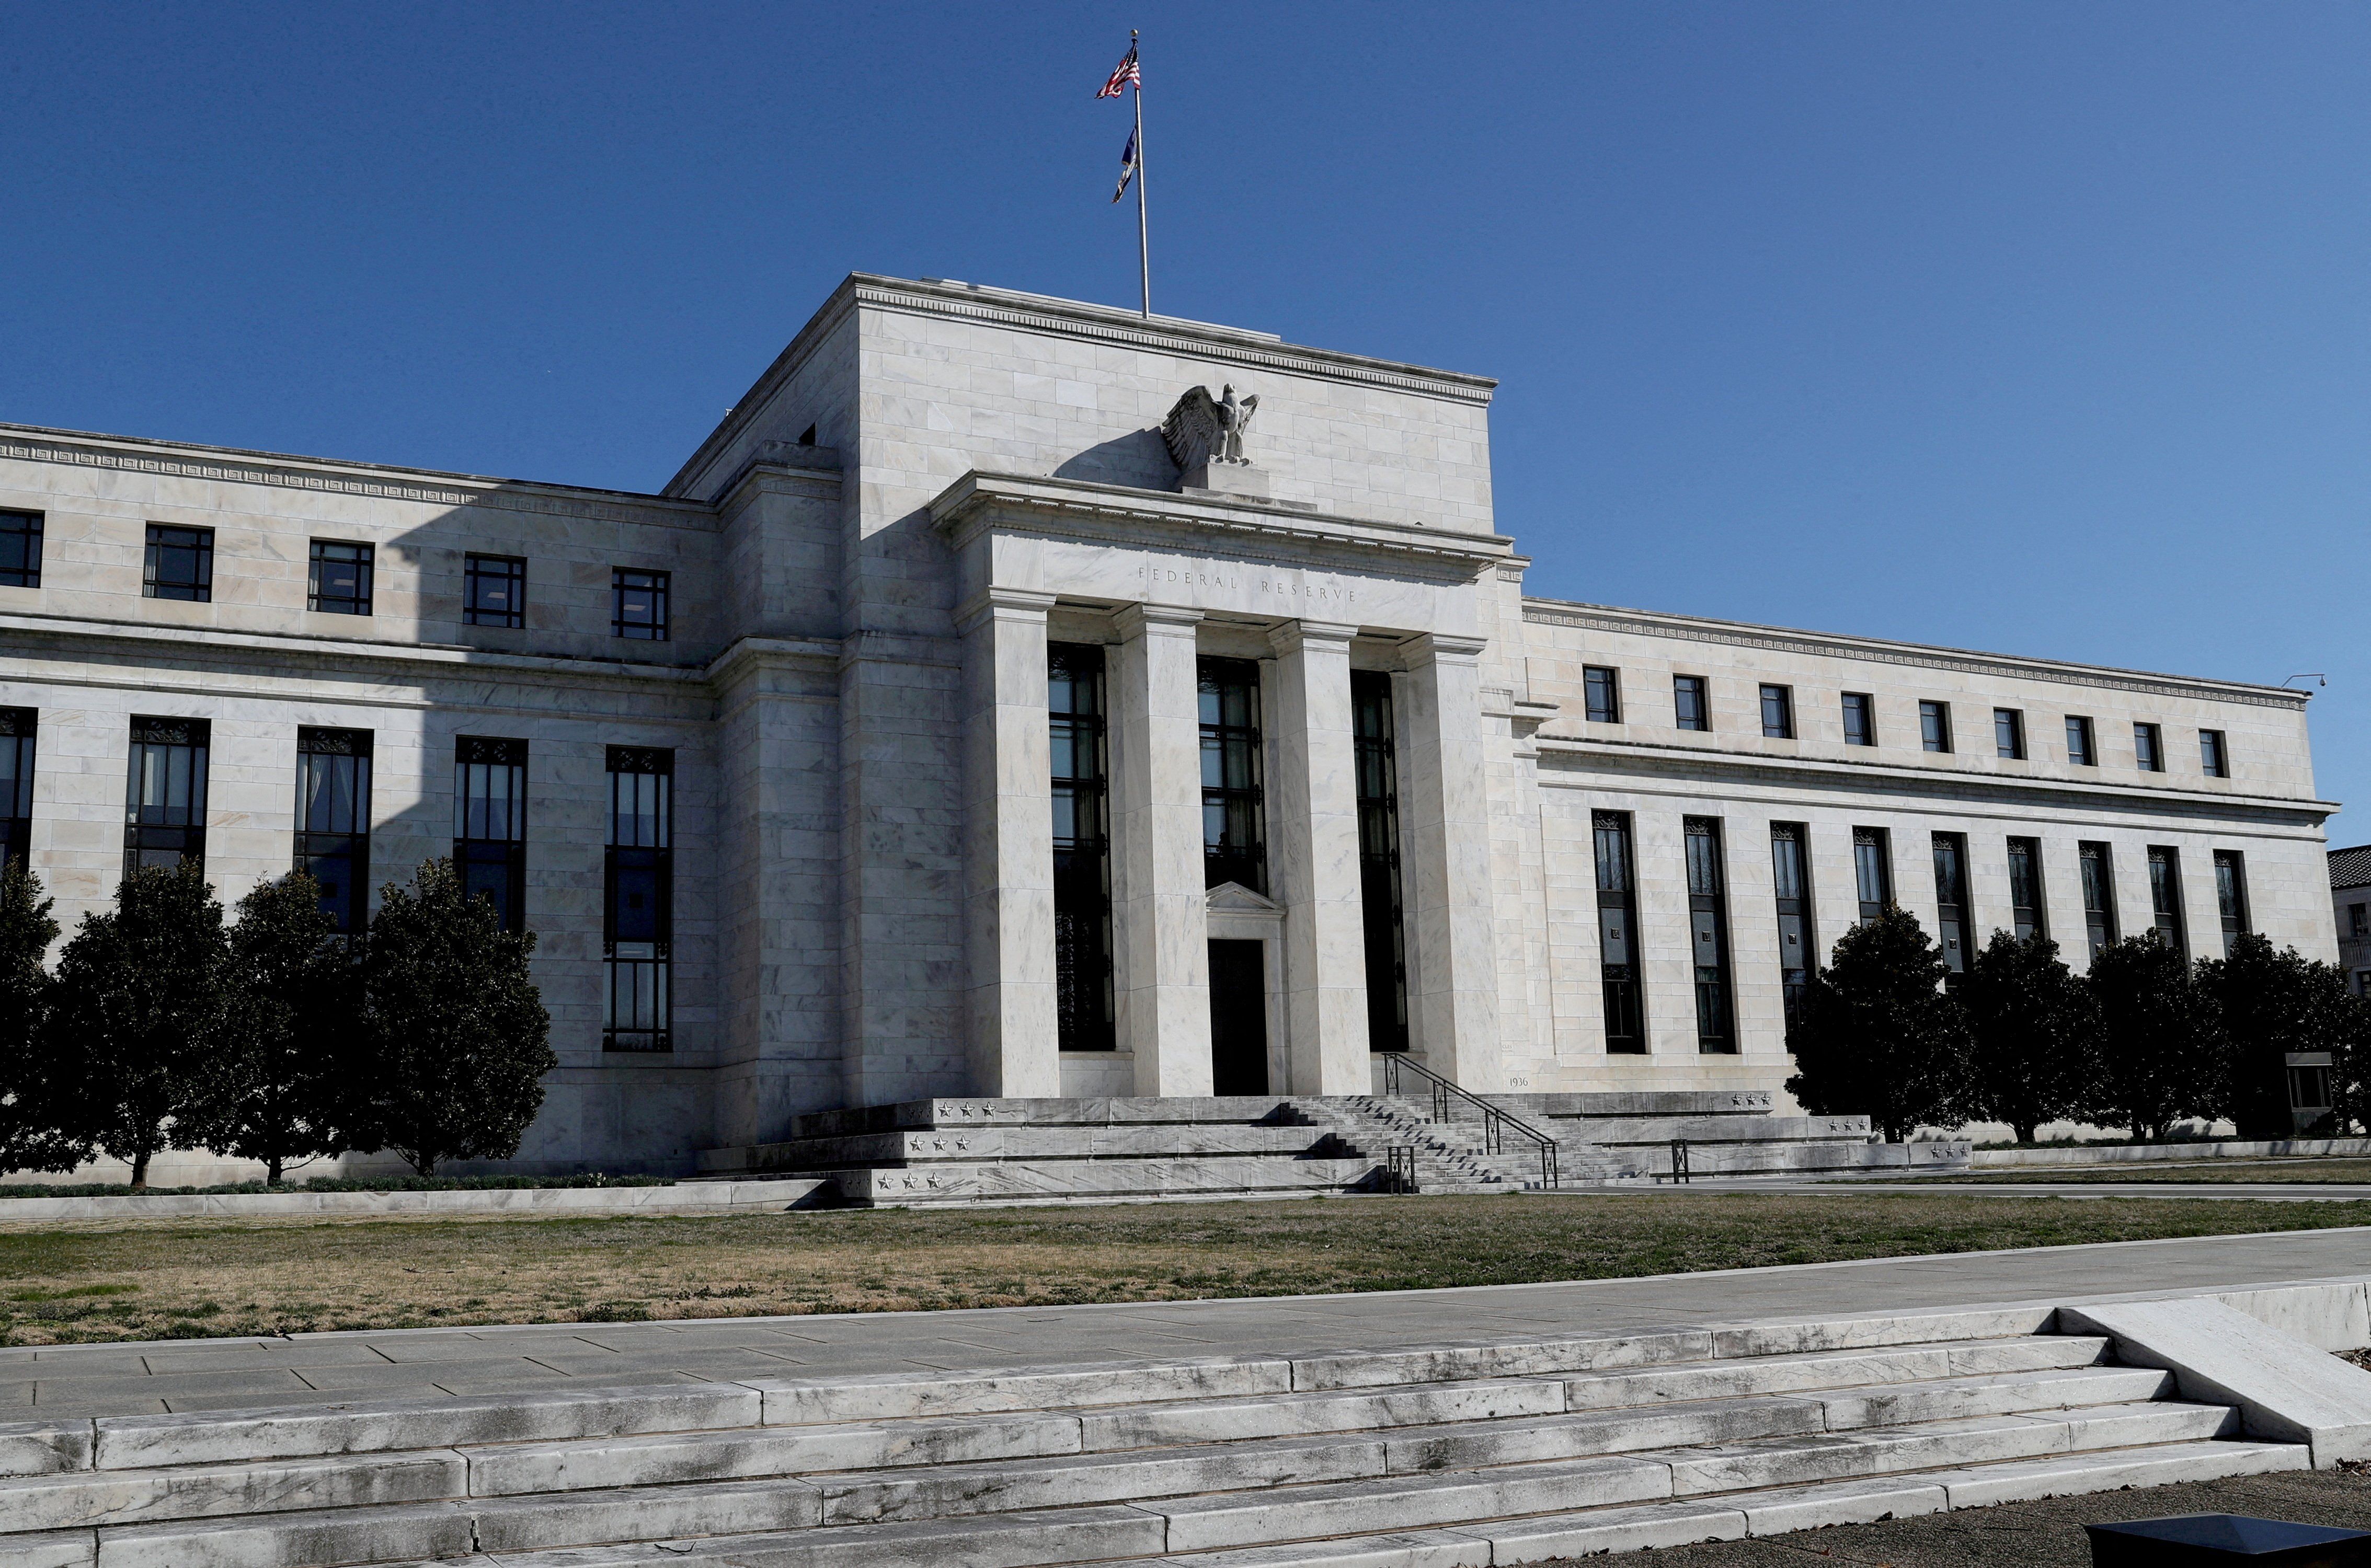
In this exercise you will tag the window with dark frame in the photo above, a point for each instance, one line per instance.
(165, 808)
(1790, 872)
(1708, 937)
(2358, 920)
(180, 564)
(1778, 712)
(20, 550)
(1618, 934)
(17, 732)
(1602, 694)
(2148, 748)
(1860, 718)
(1952, 902)
(1234, 847)
(490, 823)
(333, 819)
(2099, 865)
(2231, 895)
(1082, 903)
(638, 604)
(1377, 767)
(2164, 897)
(2082, 750)
(2008, 734)
(638, 903)
(1691, 703)
(1872, 871)
(2214, 759)
(338, 579)
(493, 591)
(2027, 911)
(1935, 726)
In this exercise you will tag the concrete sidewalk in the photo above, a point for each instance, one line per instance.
(180, 1376)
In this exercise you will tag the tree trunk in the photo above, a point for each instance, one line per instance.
(140, 1171)
(2022, 1131)
(272, 1171)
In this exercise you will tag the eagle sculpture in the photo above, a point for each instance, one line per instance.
(1202, 429)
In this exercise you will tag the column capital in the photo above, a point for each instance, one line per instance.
(1292, 635)
(1444, 646)
(1142, 620)
(1022, 604)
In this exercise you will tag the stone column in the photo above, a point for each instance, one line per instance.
(1445, 861)
(1313, 856)
(1159, 923)
(1008, 849)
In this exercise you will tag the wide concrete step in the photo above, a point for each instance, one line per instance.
(1076, 1181)
(1616, 1131)
(1174, 1140)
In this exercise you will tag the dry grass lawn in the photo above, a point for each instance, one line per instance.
(110, 1280)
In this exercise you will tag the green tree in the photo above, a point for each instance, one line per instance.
(1877, 1034)
(32, 1136)
(278, 1086)
(135, 1009)
(457, 1037)
(2028, 1018)
(2270, 1003)
(2157, 1041)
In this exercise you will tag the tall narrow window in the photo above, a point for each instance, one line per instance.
(2164, 897)
(337, 580)
(1602, 690)
(2214, 760)
(1379, 860)
(1708, 937)
(165, 814)
(1082, 915)
(1790, 870)
(1778, 712)
(2025, 888)
(2082, 750)
(16, 727)
(180, 564)
(638, 914)
(1935, 726)
(1233, 849)
(1691, 703)
(2008, 734)
(493, 591)
(490, 823)
(20, 550)
(2099, 893)
(1618, 934)
(2231, 895)
(1860, 718)
(1951, 902)
(638, 604)
(333, 819)
(2358, 920)
(2148, 749)
(1872, 871)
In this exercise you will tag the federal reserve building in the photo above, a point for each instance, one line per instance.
(1024, 714)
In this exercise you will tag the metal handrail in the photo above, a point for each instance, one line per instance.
(1680, 1172)
(1401, 1160)
(1495, 1122)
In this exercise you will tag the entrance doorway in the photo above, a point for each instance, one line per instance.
(1238, 1019)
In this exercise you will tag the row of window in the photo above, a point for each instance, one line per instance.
(1617, 915)
(165, 826)
(1692, 709)
(180, 564)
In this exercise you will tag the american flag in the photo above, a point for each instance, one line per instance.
(1123, 76)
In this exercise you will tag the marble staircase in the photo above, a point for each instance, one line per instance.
(1728, 1132)
(1445, 1455)
(1452, 1156)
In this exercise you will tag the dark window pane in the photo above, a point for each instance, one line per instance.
(489, 822)
(1872, 870)
(1232, 845)
(1778, 712)
(1860, 719)
(1379, 860)
(1625, 1026)
(339, 579)
(1708, 938)
(2080, 752)
(639, 605)
(493, 591)
(1935, 726)
(2211, 756)
(2147, 753)
(2009, 733)
(20, 550)
(1691, 703)
(181, 564)
(1603, 691)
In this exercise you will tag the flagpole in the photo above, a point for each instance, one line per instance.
(1143, 233)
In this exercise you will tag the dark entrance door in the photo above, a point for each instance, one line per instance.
(1238, 1020)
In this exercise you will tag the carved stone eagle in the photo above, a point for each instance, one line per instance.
(1203, 429)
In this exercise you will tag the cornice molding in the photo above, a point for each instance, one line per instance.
(1833, 645)
(1567, 755)
(424, 487)
(1119, 514)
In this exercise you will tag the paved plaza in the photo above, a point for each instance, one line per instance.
(182, 1376)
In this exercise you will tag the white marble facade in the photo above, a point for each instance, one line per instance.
(869, 559)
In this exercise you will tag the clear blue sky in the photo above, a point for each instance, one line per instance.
(2037, 328)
